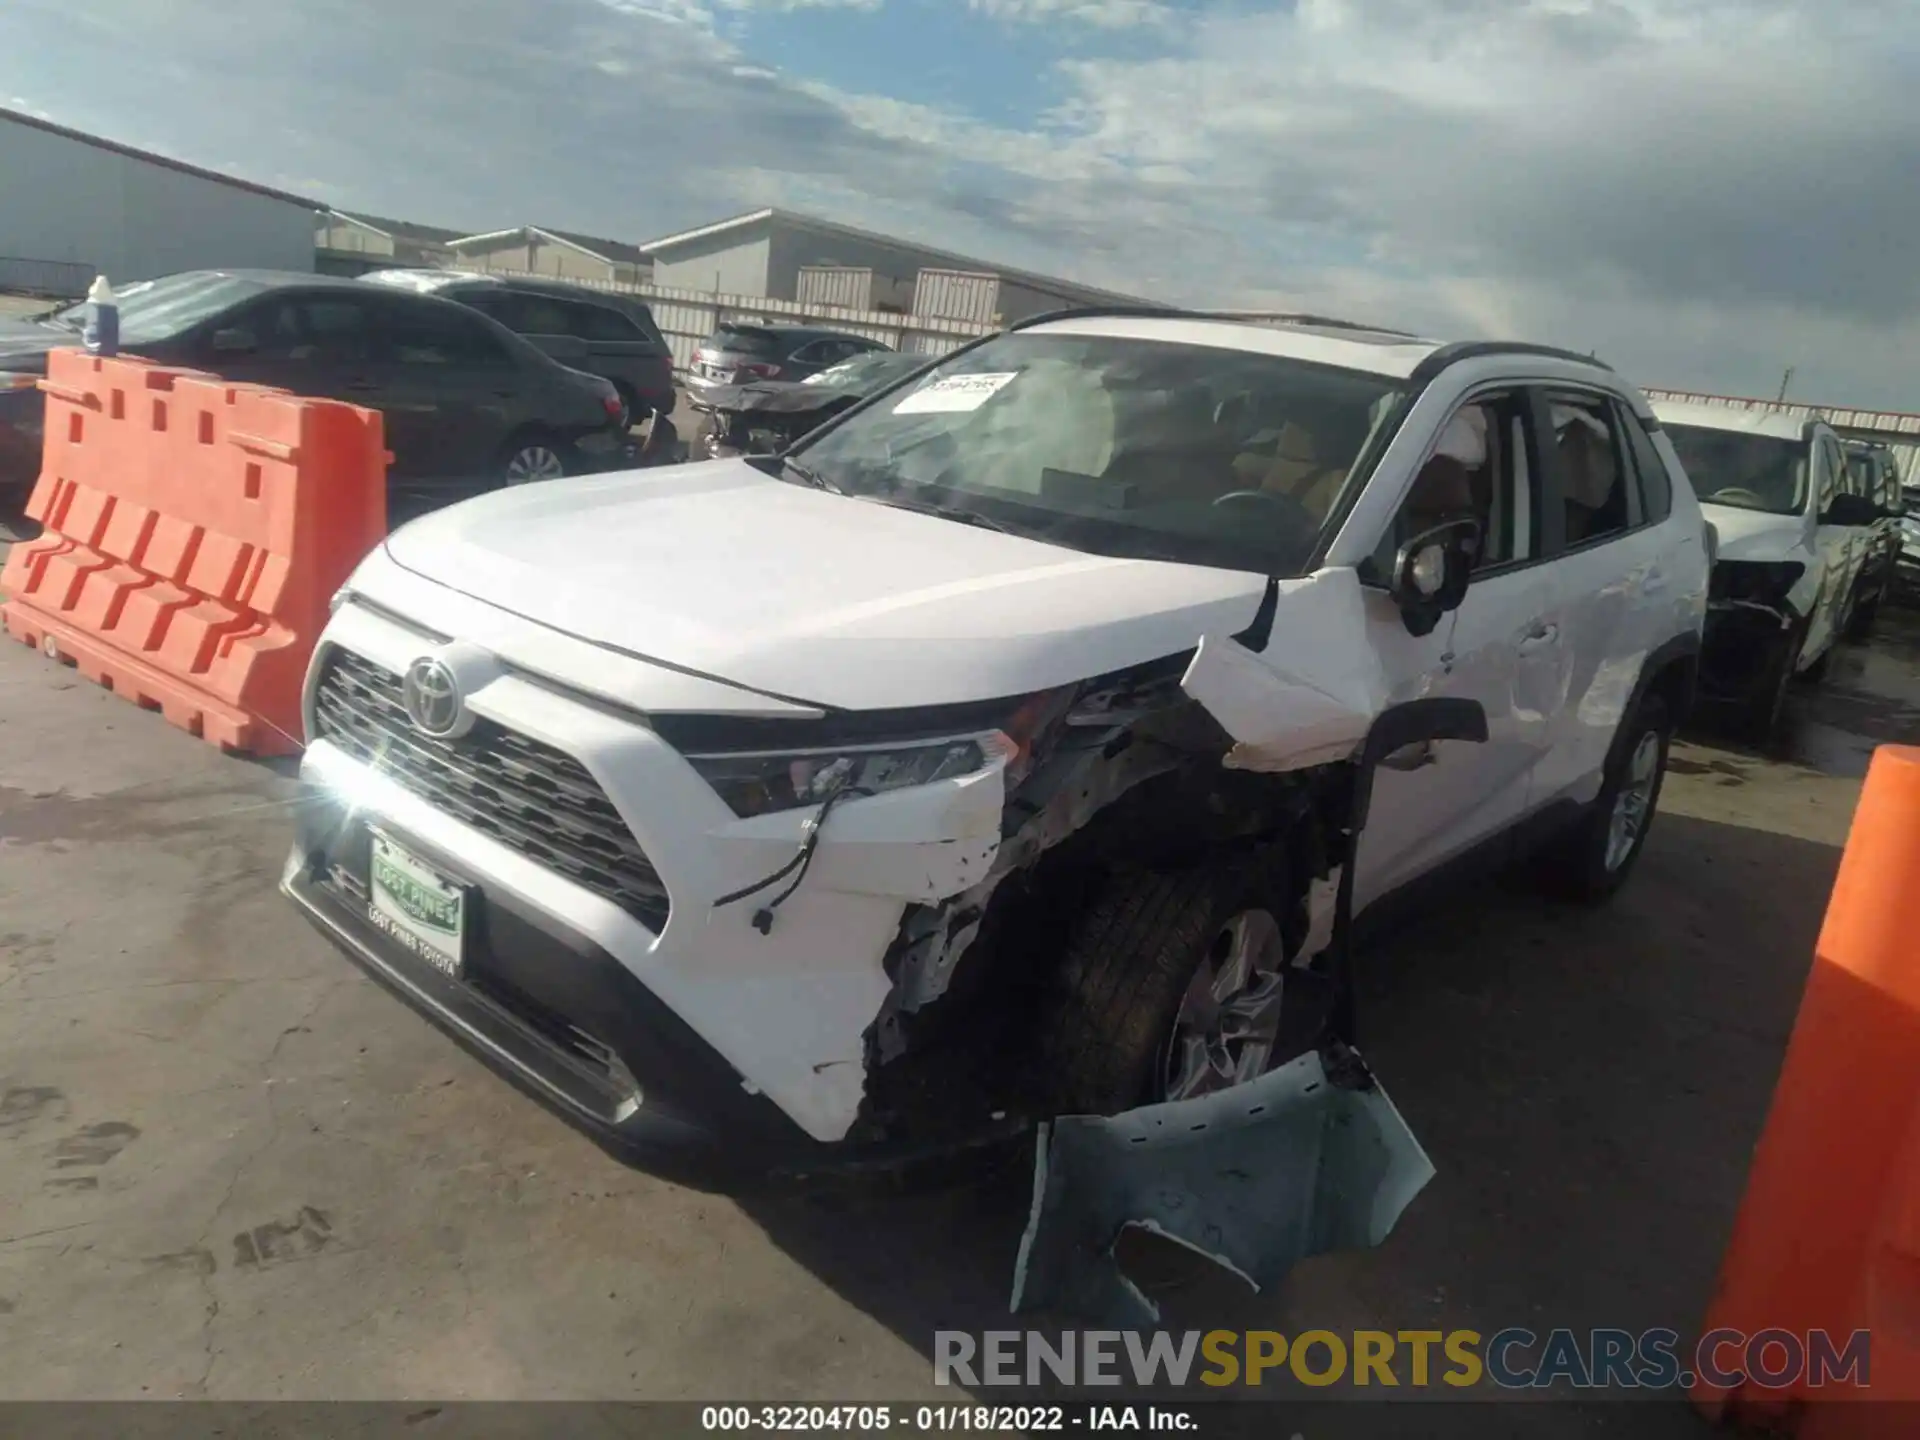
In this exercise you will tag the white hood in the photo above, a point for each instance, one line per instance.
(1755, 534)
(798, 593)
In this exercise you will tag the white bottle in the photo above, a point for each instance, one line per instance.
(101, 334)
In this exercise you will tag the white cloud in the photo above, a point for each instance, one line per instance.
(1705, 191)
(1102, 14)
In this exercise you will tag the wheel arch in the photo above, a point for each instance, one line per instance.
(1671, 671)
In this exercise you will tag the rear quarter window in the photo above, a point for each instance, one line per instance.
(744, 340)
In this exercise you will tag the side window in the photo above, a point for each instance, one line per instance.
(597, 322)
(442, 337)
(273, 326)
(334, 332)
(1656, 485)
(542, 315)
(1592, 469)
(1478, 470)
(813, 353)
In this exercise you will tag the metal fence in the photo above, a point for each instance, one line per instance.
(55, 279)
(687, 317)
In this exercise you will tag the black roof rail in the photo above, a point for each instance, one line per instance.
(1179, 312)
(1106, 312)
(1459, 350)
(1307, 321)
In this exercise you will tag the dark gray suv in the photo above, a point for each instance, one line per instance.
(601, 332)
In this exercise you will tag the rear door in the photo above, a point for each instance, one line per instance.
(1504, 647)
(457, 386)
(1614, 576)
(323, 343)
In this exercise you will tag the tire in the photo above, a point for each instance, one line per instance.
(1134, 954)
(1591, 865)
(518, 463)
(1761, 718)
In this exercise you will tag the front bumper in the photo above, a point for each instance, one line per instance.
(554, 1013)
(1743, 649)
(673, 1031)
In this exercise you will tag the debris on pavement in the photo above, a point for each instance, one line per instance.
(1309, 1158)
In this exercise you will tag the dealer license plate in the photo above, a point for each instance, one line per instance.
(423, 911)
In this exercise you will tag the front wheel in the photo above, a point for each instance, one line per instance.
(1177, 984)
(529, 458)
(1597, 856)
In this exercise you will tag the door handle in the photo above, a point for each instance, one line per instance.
(1539, 638)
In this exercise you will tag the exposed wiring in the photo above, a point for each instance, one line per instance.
(810, 841)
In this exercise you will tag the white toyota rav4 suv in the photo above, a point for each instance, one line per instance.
(988, 755)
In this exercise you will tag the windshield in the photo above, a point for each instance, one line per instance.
(1119, 446)
(866, 370)
(156, 310)
(1746, 471)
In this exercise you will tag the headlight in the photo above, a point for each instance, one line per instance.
(1766, 582)
(758, 784)
(14, 380)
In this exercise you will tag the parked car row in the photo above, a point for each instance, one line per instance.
(483, 381)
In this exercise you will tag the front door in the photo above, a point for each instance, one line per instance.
(1504, 646)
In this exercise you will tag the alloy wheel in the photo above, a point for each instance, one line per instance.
(1229, 1018)
(534, 462)
(1633, 806)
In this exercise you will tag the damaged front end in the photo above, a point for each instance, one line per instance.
(764, 418)
(1254, 767)
(1752, 629)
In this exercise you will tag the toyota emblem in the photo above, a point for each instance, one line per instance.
(432, 697)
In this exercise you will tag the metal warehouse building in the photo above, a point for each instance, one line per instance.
(780, 255)
(74, 205)
(562, 254)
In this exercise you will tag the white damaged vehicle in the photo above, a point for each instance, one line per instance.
(1793, 534)
(983, 758)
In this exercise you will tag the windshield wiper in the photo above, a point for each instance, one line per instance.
(808, 476)
(954, 513)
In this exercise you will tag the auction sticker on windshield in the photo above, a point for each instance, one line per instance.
(951, 394)
(415, 905)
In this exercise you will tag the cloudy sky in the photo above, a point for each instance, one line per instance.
(1703, 191)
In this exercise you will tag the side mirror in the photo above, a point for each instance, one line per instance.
(1852, 511)
(234, 342)
(1431, 572)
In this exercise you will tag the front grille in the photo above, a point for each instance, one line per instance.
(532, 798)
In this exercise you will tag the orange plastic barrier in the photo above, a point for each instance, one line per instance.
(1828, 1234)
(194, 532)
